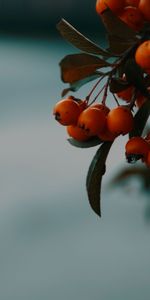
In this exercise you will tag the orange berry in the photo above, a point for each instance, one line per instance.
(142, 55)
(66, 111)
(136, 147)
(132, 3)
(106, 135)
(77, 133)
(120, 120)
(114, 5)
(140, 100)
(92, 120)
(144, 7)
(82, 105)
(132, 17)
(126, 94)
(102, 107)
(147, 71)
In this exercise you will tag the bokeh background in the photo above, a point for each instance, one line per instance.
(52, 246)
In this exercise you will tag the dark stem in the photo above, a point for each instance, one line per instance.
(134, 96)
(116, 99)
(97, 95)
(106, 89)
(94, 87)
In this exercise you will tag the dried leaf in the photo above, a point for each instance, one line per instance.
(78, 40)
(94, 141)
(94, 176)
(75, 67)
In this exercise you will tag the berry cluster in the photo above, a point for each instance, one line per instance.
(126, 75)
(133, 12)
(85, 121)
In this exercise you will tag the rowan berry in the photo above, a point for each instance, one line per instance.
(132, 3)
(132, 16)
(126, 94)
(144, 7)
(102, 107)
(77, 133)
(120, 120)
(140, 100)
(142, 55)
(66, 111)
(136, 148)
(106, 135)
(92, 120)
(82, 104)
(114, 5)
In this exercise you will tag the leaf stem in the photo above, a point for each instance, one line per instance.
(94, 87)
(106, 90)
(98, 94)
(116, 99)
(134, 96)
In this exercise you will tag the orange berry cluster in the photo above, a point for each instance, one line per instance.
(127, 78)
(133, 12)
(85, 121)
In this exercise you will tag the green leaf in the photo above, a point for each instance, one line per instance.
(75, 86)
(117, 85)
(94, 141)
(140, 119)
(75, 67)
(94, 176)
(78, 40)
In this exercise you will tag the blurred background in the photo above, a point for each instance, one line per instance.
(52, 246)
(42, 15)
